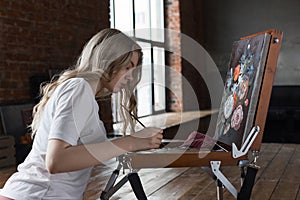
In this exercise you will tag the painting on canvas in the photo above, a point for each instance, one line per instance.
(242, 89)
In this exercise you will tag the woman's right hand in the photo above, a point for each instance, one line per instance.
(147, 138)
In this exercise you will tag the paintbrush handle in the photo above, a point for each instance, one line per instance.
(133, 116)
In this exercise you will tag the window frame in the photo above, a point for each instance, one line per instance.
(153, 44)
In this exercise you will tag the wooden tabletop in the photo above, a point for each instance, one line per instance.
(169, 119)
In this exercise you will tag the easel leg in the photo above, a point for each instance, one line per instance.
(112, 188)
(219, 190)
(110, 184)
(215, 165)
(219, 184)
(136, 185)
(106, 195)
(245, 192)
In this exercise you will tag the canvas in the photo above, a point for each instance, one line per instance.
(242, 89)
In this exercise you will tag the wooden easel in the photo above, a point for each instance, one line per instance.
(209, 160)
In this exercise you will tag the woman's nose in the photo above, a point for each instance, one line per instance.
(129, 75)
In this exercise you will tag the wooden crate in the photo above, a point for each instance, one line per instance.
(7, 151)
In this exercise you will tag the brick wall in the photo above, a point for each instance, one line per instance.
(37, 35)
(172, 20)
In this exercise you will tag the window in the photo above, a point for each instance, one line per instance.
(139, 19)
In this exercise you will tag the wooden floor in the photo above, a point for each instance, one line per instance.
(278, 178)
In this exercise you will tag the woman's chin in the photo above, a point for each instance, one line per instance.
(116, 89)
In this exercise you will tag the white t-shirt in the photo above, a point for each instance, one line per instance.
(71, 115)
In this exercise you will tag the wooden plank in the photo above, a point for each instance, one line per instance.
(288, 185)
(201, 186)
(285, 190)
(6, 141)
(7, 152)
(7, 157)
(263, 189)
(208, 193)
(178, 187)
(271, 147)
(291, 173)
(160, 179)
(5, 173)
(266, 157)
(152, 180)
(298, 194)
(273, 170)
(7, 161)
(278, 165)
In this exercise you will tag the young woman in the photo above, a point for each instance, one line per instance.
(69, 137)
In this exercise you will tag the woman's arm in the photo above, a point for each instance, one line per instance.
(63, 157)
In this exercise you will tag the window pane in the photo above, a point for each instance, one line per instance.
(157, 20)
(115, 99)
(123, 16)
(145, 14)
(112, 13)
(144, 91)
(142, 18)
(159, 78)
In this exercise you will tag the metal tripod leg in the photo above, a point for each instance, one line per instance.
(219, 190)
(245, 192)
(135, 182)
(219, 184)
(136, 185)
(249, 179)
(114, 189)
(110, 183)
(215, 166)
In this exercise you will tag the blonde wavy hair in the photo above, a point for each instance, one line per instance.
(103, 56)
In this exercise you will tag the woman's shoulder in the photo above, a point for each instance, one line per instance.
(74, 87)
(74, 83)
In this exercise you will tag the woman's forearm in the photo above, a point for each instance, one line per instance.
(62, 157)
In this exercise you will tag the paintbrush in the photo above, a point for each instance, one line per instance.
(161, 145)
(132, 115)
